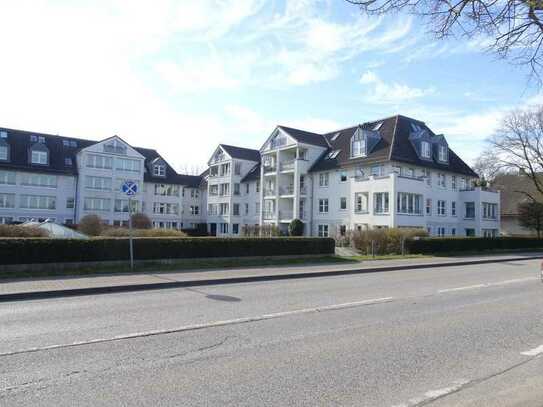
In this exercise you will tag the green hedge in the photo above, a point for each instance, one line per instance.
(470, 244)
(28, 251)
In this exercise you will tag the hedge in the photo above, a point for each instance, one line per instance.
(470, 244)
(29, 251)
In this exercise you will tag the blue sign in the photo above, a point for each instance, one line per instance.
(130, 188)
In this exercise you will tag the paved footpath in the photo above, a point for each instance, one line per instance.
(157, 280)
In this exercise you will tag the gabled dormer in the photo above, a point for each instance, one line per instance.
(278, 139)
(421, 139)
(38, 153)
(440, 149)
(362, 142)
(4, 146)
(158, 167)
(219, 155)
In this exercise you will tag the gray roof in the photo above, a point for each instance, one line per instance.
(242, 153)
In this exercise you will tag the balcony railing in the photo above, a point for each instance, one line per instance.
(269, 191)
(268, 215)
(269, 168)
(286, 215)
(287, 165)
(287, 190)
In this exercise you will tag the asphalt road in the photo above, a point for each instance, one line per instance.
(454, 336)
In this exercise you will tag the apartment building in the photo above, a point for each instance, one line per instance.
(392, 172)
(45, 176)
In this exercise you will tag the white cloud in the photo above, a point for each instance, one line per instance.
(381, 92)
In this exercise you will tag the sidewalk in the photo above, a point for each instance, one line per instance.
(50, 287)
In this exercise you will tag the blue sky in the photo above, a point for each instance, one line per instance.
(183, 76)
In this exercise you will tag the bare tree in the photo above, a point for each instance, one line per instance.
(518, 145)
(487, 166)
(515, 27)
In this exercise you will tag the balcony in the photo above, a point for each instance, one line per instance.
(269, 167)
(287, 190)
(268, 215)
(287, 165)
(286, 215)
(269, 191)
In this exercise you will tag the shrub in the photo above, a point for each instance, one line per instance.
(471, 244)
(26, 251)
(125, 232)
(296, 228)
(260, 231)
(22, 231)
(91, 225)
(385, 241)
(141, 221)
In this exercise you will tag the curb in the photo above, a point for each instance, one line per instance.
(35, 295)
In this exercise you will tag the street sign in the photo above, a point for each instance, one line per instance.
(130, 188)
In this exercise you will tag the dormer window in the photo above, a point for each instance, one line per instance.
(159, 170)
(442, 153)
(4, 152)
(39, 157)
(425, 150)
(332, 154)
(358, 145)
(115, 146)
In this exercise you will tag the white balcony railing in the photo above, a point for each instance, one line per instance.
(287, 165)
(286, 215)
(287, 190)
(269, 168)
(269, 191)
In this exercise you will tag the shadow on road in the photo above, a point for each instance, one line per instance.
(216, 297)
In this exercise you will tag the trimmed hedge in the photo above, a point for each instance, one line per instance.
(470, 244)
(28, 251)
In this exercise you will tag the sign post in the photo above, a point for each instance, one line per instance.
(130, 188)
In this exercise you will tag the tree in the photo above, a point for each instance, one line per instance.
(296, 227)
(518, 145)
(91, 225)
(141, 221)
(487, 166)
(515, 27)
(531, 216)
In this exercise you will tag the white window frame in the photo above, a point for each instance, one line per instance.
(159, 170)
(358, 144)
(425, 149)
(343, 200)
(4, 153)
(381, 203)
(323, 230)
(39, 157)
(323, 205)
(441, 207)
(324, 179)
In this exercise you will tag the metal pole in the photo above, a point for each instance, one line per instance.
(130, 233)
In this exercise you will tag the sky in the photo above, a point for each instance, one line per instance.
(183, 76)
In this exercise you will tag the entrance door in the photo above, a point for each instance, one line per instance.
(213, 229)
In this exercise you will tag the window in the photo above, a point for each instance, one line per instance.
(442, 153)
(441, 231)
(194, 210)
(115, 146)
(323, 179)
(70, 203)
(39, 180)
(361, 202)
(38, 202)
(224, 209)
(126, 164)
(3, 134)
(96, 204)
(470, 232)
(194, 193)
(442, 181)
(167, 190)
(342, 230)
(428, 207)
(68, 162)
(490, 210)
(212, 209)
(7, 200)
(224, 169)
(246, 209)
(5, 220)
(358, 144)
(225, 189)
(258, 186)
(441, 208)
(159, 170)
(343, 176)
(257, 208)
(223, 228)
(453, 231)
(453, 182)
(453, 208)
(462, 183)
(323, 205)
(66, 143)
(33, 138)
(377, 170)
(237, 168)
(39, 157)
(247, 188)
(332, 154)
(343, 203)
(470, 210)
(380, 202)
(490, 232)
(235, 209)
(165, 208)
(99, 161)
(100, 183)
(41, 139)
(425, 149)
(428, 175)
(409, 204)
(235, 228)
(323, 230)
(4, 152)
(7, 178)
(121, 205)
(236, 189)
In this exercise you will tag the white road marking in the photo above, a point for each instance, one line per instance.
(434, 394)
(486, 285)
(214, 324)
(533, 352)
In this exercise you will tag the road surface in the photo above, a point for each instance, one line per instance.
(451, 336)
